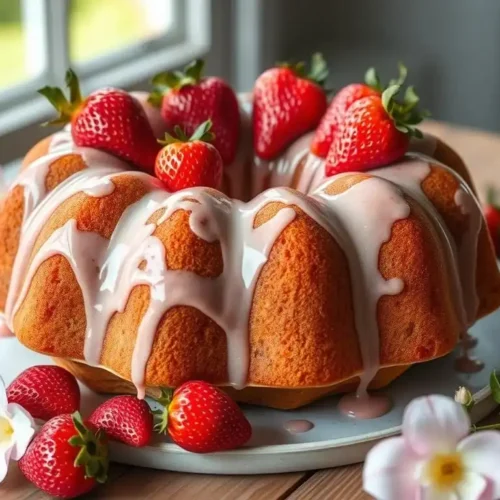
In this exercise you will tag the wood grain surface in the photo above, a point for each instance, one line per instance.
(481, 152)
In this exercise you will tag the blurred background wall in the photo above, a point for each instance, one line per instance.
(451, 47)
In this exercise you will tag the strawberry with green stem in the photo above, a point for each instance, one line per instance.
(288, 102)
(330, 123)
(187, 99)
(108, 119)
(186, 162)
(66, 458)
(375, 132)
(201, 418)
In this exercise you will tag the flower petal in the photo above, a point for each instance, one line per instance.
(3, 394)
(434, 424)
(430, 493)
(389, 471)
(481, 454)
(472, 486)
(5, 453)
(24, 429)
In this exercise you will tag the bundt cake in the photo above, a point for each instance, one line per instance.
(283, 288)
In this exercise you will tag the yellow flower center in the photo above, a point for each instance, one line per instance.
(6, 430)
(445, 471)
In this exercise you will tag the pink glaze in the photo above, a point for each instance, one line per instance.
(377, 205)
(4, 329)
(360, 220)
(298, 426)
(364, 406)
(62, 141)
(280, 172)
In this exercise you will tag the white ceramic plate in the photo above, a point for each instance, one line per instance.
(335, 439)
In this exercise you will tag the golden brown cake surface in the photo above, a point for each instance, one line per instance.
(288, 331)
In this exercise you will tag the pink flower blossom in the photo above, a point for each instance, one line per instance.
(435, 459)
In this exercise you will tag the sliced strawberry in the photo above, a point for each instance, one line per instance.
(287, 103)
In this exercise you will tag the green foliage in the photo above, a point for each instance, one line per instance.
(10, 12)
(495, 387)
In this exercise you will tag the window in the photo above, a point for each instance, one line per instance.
(108, 42)
(134, 21)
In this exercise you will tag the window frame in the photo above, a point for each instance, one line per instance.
(20, 106)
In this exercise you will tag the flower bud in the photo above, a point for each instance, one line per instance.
(464, 397)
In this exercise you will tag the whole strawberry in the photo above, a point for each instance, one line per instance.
(375, 132)
(45, 391)
(188, 162)
(109, 119)
(126, 419)
(66, 459)
(287, 104)
(203, 419)
(491, 213)
(330, 123)
(187, 100)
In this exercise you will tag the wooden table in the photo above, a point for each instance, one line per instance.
(481, 152)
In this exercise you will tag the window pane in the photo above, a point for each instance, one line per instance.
(97, 27)
(13, 62)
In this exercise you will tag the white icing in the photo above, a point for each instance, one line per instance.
(4, 329)
(367, 211)
(312, 165)
(280, 172)
(460, 257)
(36, 215)
(359, 219)
(61, 141)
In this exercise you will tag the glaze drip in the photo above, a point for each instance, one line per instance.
(108, 270)
(4, 329)
(377, 205)
(298, 426)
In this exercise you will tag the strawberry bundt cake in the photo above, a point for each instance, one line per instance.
(283, 286)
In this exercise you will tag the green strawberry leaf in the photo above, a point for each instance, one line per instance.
(404, 114)
(372, 79)
(319, 69)
(203, 133)
(93, 450)
(403, 73)
(495, 387)
(66, 108)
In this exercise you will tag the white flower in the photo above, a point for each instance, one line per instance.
(433, 459)
(16, 431)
